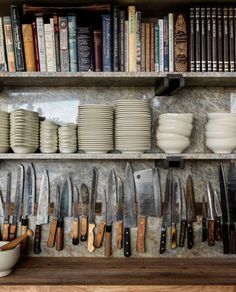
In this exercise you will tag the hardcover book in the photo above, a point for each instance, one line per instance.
(209, 39)
(9, 43)
(192, 48)
(3, 61)
(143, 47)
(138, 41)
(57, 44)
(231, 40)
(214, 39)
(161, 45)
(122, 40)
(226, 38)
(28, 40)
(197, 39)
(220, 39)
(53, 44)
(41, 44)
(85, 49)
(148, 48)
(203, 40)
(72, 43)
(157, 63)
(64, 46)
(132, 39)
(49, 47)
(152, 47)
(126, 46)
(115, 33)
(171, 41)
(166, 43)
(97, 39)
(106, 43)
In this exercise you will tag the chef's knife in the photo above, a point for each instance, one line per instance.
(1, 214)
(103, 222)
(191, 217)
(130, 217)
(111, 207)
(218, 212)
(166, 220)
(92, 225)
(211, 218)
(75, 239)
(84, 219)
(175, 212)
(183, 222)
(6, 225)
(204, 216)
(157, 191)
(42, 212)
(119, 214)
(17, 203)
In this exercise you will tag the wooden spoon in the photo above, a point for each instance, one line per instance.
(12, 244)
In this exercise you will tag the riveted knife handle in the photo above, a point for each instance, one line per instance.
(119, 234)
(232, 243)
(5, 231)
(75, 238)
(225, 235)
(173, 236)
(127, 243)
(108, 240)
(24, 228)
(52, 233)
(60, 235)
(163, 241)
(100, 234)
(140, 243)
(91, 246)
(12, 232)
(84, 228)
(211, 232)
(37, 239)
(182, 232)
(190, 235)
(218, 231)
(204, 230)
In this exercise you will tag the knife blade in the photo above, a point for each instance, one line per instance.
(157, 191)
(111, 207)
(204, 216)
(6, 225)
(191, 217)
(183, 222)
(84, 220)
(1, 214)
(92, 225)
(130, 217)
(42, 212)
(75, 239)
(218, 212)
(175, 211)
(166, 219)
(103, 222)
(119, 215)
(211, 218)
(17, 202)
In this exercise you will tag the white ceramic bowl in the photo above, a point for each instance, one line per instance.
(220, 134)
(8, 259)
(173, 146)
(176, 123)
(185, 117)
(220, 115)
(219, 123)
(220, 128)
(226, 145)
(169, 136)
(175, 130)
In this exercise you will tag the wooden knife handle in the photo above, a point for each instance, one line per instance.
(173, 236)
(127, 243)
(75, 238)
(37, 239)
(232, 236)
(204, 230)
(182, 232)
(24, 228)
(100, 234)
(140, 243)
(60, 236)
(190, 235)
(218, 231)
(91, 246)
(17, 241)
(108, 240)
(163, 241)
(119, 234)
(5, 231)
(211, 232)
(12, 232)
(52, 233)
(84, 228)
(225, 235)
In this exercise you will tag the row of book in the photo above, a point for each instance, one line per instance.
(120, 41)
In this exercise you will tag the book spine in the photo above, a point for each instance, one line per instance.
(161, 45)
(192, 40)
(203, 40)
(214, 40)
(143, 47)
(138, 41)
(171, 41)
(152, 47)
(231, 40)
(36, 47)
(219, 39)
(235, 38)
(53, 44)
(148, 48)
(17, 38)
(64, 46)
(226, 38)
(126, 46)
(28, 40)
(122, 40)
(166, 44)
(132, 38)
(157, 63)
(57, 43)
(41, 44)
(115, 33)
(3, 63)
(85, 55)
(97, 38)
(197, 40)
(106, 43)
(49, 47)
(72, 43)
(9, 43)
(209, 39)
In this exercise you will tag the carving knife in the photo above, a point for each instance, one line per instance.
(92, 225)
(166, 220)
(218, 212)
(1, 214)
(191, 217)
(111, 207)
(130, 218)
(42, 212)
(183, 222)
(119, 215)
(204, 216)
(84, 220)
(17, 203)
(211, 217)
(75, 239)
(6, 225)
(175, 212)
(103, 222)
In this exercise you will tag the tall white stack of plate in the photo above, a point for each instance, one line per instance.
(4, 132)
(68, 138)
(48, 137)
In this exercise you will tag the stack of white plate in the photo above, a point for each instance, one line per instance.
(48, 137)
(132, 126)
(174, 131)
(221, 132)
(24, 131)
(4, 132)
(95, 128)
(68, 138)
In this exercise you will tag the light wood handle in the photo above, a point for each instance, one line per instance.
(60, 236)
(173, 236)
(84, 228)
(5, 231)
(17, 241)
(100, 234)
(108, 241)
(12, 232)
(119, 234)
(91, 246)
(75, 239)
(52, 233)
(140, 243)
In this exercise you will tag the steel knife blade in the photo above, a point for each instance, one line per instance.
(204, 216)
(218, 213)
(157, 191)
(75, 239)
(119, 215)
(175, 212)
(102, 224)
(183, 223)
(211, 217)
(191, 217)
(6, 225)
(84, 220)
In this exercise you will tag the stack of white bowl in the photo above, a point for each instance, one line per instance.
(132, 126)
(95, 128)
(4, 132)
(221, 132)
(48, 137)
(68, 138)
(24, 131)
(174, 131)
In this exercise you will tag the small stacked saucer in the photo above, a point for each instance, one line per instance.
(48, 137)
(68, 138)
(4, 132)
(24, 131)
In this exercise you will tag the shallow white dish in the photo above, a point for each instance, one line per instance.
(170, 146)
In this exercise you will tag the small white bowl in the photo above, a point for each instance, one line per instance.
(220, 134)
(173, 146)
(176, 123)
(226, 145)
(169, 136)
(8, 259)
(220, 115)
(219, 128)
(175, 130)
(185, 117)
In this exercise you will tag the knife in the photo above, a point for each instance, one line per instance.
(17, 203)
(166, 219)
(75, 239)
(225, 209)
(183, 222)
(218, 212)
(6, 225)
(42, 212)
(191, 217)
(157, 191)
(84, 220)
(54, 222)
(92, 225)
(119, 215)
(204, 225)
(111, 210)
(1, 214)
(130, 217)
(175, 208)
(102, 224)
(211, 217)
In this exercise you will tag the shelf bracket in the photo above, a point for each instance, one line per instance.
(174, 162)
(170, 84)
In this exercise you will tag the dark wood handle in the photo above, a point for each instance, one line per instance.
(204, 230)
(84, 228)
(163, 241)
(218, 231)
(182, 233)
(173, 236)
(100, 234)
(37, 239)
(60, 236)
(119, 234)
(140, 243)
(24, 228)
(232, 236)
(190, 235)
(91, 246)
(75, 238)
(211, 232)
(127, 243)
(12, 232)
(52, 233)
(108, 240)
(5, 231)
(225, 235)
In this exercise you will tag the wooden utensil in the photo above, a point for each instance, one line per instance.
(17, 241)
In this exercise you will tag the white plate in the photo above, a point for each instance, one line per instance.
(4, 148)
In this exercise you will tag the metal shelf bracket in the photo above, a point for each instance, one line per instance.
(170, 84)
